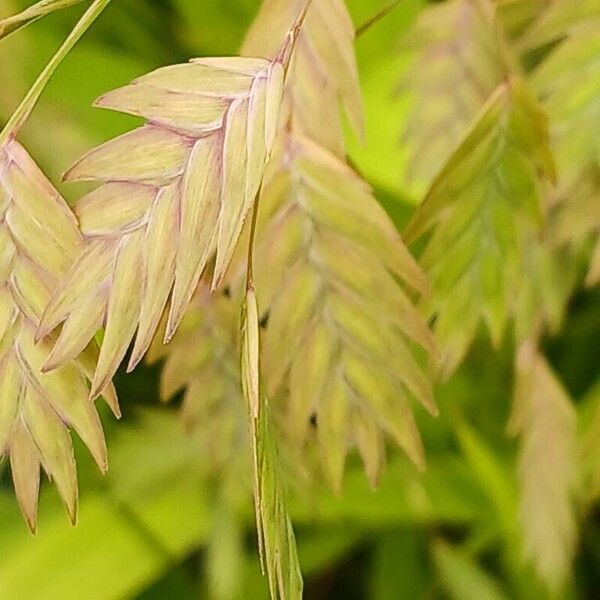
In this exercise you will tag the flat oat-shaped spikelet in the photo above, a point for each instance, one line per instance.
(38, 242)
(173, 193)
(483, 215)
(341, 329)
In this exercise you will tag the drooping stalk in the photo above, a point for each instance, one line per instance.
(32, 13)
(23, 111)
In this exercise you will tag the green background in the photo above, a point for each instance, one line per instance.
(144, 529)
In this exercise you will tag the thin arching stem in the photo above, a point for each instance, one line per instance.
(23, 111)
(32, 13)
(250, 262)
(377, 17)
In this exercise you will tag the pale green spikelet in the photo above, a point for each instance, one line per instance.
(558, 18)
(482, 211)
(567, 82)
(172, 194)
(39, 240)
(340, 334)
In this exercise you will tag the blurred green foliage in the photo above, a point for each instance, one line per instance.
(154, 527)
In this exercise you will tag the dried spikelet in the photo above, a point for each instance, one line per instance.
(485, 211)
(456, 66)
(545, 418)
(173, 193)
(339, 327)
(38, 241)
(323, 73)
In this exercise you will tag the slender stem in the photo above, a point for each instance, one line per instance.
(24, 109)
(377, 17)
(32, 13)
(250, 260)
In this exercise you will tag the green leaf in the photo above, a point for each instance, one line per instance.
(399, 568)
(493, 475)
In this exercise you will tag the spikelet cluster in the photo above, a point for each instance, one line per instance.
(39, 240)
(339, 333)
(339, 339)
(172, 193)
(323, 333)
(482, 212)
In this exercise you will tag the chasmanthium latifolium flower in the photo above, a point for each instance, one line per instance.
(480, 213)
(172, 194)
(39, 240)
(340, 336)
(341, 333)
(327, 322)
